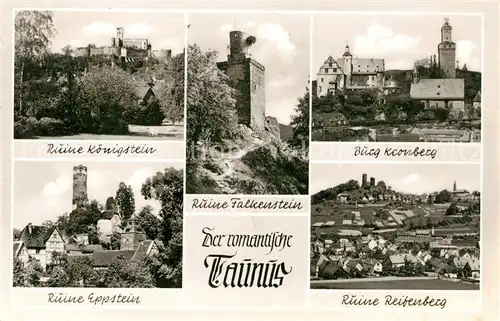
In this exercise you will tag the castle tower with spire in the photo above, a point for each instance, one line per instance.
(447, 51)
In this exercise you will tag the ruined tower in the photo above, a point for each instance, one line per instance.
(119, 37)
(247, 76)
(447, 51)
(132, 235)
(364, 180)
(80, 197)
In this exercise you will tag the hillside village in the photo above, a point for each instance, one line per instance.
(358, 99)
(368, 230)
(92, 239)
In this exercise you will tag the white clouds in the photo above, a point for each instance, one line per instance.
(468, 52)
(175, 44)
(139, 177)
(283, 81)
(99, 28)
(57, 187)
(276, 35)
(381, 41)
(96, 182)
(226, 28)
(276, 38)
(140, 29)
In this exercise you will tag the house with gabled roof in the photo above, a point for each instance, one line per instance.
(19, 251)
(109, 221)
(41, 242)
(476, 102)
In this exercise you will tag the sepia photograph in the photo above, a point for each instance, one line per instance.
(395, 227)
(103, 75)
(384, 79)
(247, 104)
(99, 225)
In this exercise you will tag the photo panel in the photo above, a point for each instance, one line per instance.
(89, 228)
(396, 229)
(105, 76)
(248, 103)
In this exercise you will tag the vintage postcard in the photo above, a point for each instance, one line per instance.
(232, 160)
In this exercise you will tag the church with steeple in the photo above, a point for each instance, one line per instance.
(446, 92)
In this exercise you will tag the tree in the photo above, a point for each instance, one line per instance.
(115, 241)
(34, 273)
(150, 223)
(211, 109)
(125, 200)
(58, 278)
(107, 93)
(300, 124)
(80, 272)
(19, 276)
(452, 210)
(33, 33)
(381, 185)
(171, 96)
(167, 187)
(443, 197)
(123, 273)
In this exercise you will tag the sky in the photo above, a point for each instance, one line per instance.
(44, 190)
(399, 39)
(407, 178)
(79, 28)
(282, 46)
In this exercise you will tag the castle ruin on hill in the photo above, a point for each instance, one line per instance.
(125, 49)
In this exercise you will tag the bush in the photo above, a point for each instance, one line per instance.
(29, 127)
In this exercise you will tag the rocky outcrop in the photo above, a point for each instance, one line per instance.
(272, 127)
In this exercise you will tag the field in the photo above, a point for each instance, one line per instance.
(329, 211)
(403, 284)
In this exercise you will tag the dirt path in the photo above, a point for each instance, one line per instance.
(230, 160)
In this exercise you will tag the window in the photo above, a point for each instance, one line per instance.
(37, 251)
(439, 86)
(330, 64)
(326, 70)
(254, 87)
(321, 79)
(438, 93)
(334, 69)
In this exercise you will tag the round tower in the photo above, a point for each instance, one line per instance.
(239, 42)
(80, 196)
